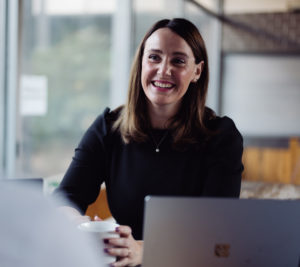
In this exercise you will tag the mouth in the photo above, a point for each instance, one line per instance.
(163, 85)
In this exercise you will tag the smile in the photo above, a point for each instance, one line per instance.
(164, 85)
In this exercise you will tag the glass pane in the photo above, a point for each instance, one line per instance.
(147, 12)
(64, 83)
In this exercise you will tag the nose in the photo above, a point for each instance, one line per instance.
(164, 68)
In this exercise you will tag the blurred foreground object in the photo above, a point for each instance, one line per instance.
(33, 233)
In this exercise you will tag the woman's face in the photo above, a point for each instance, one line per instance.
(168, 67)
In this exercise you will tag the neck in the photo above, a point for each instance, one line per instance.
(160, 115)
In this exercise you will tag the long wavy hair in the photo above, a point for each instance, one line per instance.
(133, 121)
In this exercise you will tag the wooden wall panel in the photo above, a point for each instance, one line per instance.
(275, 165)
(295, 162)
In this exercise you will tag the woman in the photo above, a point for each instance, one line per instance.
(163, 141)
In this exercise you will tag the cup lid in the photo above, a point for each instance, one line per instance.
(98, 226)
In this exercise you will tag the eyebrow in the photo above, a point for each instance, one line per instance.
(174, 53)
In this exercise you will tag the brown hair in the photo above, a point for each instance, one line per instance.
(133, 122)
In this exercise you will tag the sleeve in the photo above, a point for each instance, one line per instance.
(83, 179)
(224, 161)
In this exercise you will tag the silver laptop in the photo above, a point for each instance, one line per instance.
(211, 232)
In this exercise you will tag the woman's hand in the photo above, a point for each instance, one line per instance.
(128, 251)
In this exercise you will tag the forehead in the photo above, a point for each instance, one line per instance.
(166, 40)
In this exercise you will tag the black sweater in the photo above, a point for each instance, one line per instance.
(135, 170)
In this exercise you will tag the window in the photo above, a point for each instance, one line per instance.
(64, 79)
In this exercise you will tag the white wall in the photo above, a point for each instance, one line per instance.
(262, 94)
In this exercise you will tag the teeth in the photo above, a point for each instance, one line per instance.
(163, 85)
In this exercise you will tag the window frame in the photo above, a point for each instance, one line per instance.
(9, 32)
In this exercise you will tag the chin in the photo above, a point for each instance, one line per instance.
(161, 102)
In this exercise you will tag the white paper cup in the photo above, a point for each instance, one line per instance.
(100, 230)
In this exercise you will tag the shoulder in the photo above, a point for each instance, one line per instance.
(224, 130)
(100, 131)
(105, 120)
(222, 124)
(216, 123)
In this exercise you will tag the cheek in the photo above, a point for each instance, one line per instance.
(144, 76)
(186, 77)
(147, 73)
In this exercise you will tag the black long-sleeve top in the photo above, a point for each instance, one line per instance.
(135, 170)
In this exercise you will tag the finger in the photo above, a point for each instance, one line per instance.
(118, 242)
(96, 218)
(124, 230)
(118, 252)
(121, 262)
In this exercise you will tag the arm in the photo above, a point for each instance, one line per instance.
(82, 181)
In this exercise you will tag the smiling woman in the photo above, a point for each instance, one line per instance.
(168, 67)
(186, 69)
(163, 141)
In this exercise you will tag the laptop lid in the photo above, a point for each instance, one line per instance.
(195, 232)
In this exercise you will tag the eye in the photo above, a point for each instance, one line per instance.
(153, 57)
(178, 61)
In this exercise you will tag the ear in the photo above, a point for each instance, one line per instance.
(198, 70)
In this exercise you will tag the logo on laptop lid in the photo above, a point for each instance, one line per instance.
(222, 250)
